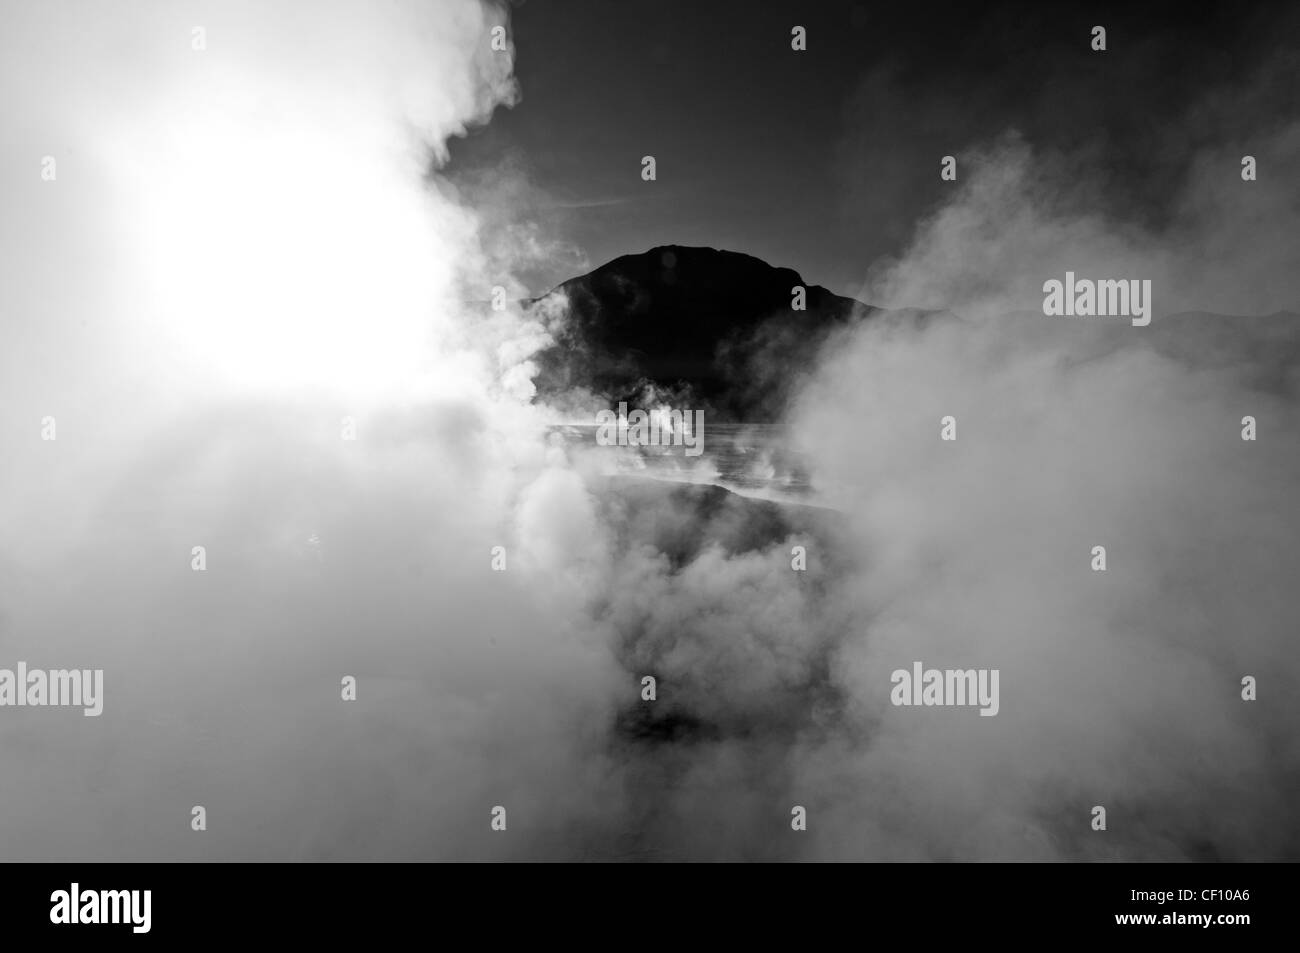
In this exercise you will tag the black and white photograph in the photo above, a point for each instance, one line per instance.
(649, 432)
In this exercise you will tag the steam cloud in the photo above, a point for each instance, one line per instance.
(242, 247)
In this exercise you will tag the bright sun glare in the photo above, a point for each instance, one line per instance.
(281, 259)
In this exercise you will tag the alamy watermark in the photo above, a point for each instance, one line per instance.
(660, 427)
(57, 688)
(947, 687)
(74, 906)
(1083, 297)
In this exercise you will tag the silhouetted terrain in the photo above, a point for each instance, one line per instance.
(706, 327)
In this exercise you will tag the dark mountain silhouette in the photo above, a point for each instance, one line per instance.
(711, 329)
(708, 328)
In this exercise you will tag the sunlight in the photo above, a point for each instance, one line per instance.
(285, 258)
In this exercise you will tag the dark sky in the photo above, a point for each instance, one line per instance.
(823, 160)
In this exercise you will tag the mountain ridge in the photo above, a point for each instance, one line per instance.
(698, 325)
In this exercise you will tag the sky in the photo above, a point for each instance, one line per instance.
(234, 321)
(825, 160)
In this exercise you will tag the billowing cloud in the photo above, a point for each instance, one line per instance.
(245, 258)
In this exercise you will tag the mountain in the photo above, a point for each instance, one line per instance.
(701, 326)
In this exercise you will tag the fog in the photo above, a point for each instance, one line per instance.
(251, 248)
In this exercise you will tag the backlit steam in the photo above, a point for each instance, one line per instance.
(243, 248)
